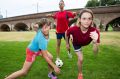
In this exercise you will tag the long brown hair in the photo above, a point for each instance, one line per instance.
(83, 11)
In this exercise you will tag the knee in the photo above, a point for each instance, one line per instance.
(58, 44)
(24, 72)
(50, 56)
(80, 60)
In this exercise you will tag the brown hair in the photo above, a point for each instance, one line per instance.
(61, 1)
(42, 22)
(83, 11)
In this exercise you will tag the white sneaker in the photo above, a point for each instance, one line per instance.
(69, 55)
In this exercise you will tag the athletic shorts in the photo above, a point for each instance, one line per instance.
(77, 48)
(60, 35)
(30, 55)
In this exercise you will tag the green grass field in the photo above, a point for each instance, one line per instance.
(104, 66)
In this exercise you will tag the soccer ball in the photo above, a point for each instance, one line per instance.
(59, 63)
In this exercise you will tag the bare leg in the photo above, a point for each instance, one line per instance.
(51, 74)
(21, 72)
(58, 48)
(80, 60)
(48, 60)
(51, 58)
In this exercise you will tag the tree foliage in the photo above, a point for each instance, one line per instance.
(94, 3)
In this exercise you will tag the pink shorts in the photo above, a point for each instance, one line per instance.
(30, 55)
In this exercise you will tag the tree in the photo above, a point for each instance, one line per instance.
(94, 3)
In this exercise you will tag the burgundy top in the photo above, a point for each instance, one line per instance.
(79, 38)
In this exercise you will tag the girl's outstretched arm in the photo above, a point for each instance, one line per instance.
(95, 48)
(67, 41)
(49, 15)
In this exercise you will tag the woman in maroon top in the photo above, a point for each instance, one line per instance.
(62, 20)
(83, 33)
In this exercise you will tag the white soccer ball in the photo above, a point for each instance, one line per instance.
(59, 63)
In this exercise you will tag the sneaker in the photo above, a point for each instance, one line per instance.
(52, 76)
(80, 76)
(69, 55)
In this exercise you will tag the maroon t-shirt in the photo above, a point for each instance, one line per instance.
(62, 20)
(79, 38)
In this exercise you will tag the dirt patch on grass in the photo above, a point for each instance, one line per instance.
(109, 38)
(16, 36)
(21, 36)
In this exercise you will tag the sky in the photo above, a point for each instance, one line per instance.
(12, 8)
